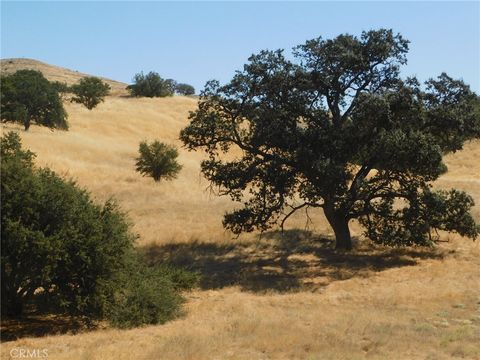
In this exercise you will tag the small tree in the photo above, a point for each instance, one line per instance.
(28, 97)
(150, 85)
(158, 160)
(185, 89)
(90, 91)
(338, 129)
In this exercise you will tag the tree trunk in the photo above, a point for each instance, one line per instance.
(339, 224)
(12, 304)
(26, 124)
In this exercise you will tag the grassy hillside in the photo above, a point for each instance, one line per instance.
(279, 297)
(55, 73)
(99, 152)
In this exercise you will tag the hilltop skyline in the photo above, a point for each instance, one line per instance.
(196, 42)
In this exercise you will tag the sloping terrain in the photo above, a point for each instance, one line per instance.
(55, 73)
(281, 296)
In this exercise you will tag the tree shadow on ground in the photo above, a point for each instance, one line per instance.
(292, 260)
(41, 325)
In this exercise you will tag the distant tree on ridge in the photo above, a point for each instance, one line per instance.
(150, 85)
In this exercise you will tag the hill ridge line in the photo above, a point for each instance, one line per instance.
(57, 73)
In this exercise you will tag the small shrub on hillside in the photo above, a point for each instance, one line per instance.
(90, 91)
(185, 89)
(148, 296)
(158, 160)
(181, 279)
(150, 85)
(28, 97)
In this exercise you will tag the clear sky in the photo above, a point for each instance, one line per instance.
(193, 42)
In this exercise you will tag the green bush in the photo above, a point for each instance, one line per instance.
(184, 89)
(150, 85)
(28, 97)
(55, 240)
(61, 249)
(158, 160)
(171, 85)
(148, 296)
(90, 91)
(181, 279)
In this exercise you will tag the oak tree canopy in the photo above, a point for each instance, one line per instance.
(337, 128)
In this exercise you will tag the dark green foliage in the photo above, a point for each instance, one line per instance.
(171, 85)
(55, 238)
(412, 225)
(146, 299)
(90, 91)
(27, 97)
(338, 129)
(158, 160)
(150, 85)
(62, 88)
(181, 279)
(149, 295)
(185, 89)
(62, 250)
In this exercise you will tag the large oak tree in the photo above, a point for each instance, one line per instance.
(337, 128)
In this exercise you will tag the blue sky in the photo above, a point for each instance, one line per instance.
(193, 42)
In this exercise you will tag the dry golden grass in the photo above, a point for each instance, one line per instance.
(278, 297)
(55, 73)
(464, 173)
(427, 311)
(99, 152)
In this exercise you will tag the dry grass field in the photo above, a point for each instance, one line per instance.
(279, 296)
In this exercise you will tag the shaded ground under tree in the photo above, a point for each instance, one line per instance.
(295, 260)
(33, 325)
